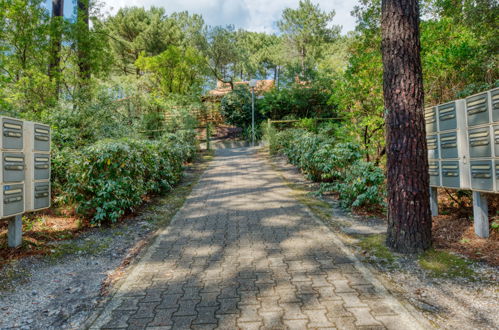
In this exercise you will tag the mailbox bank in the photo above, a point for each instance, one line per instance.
(463, 149)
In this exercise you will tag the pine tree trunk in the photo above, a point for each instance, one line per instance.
(83, 44)
(56, 38)
(409, 216)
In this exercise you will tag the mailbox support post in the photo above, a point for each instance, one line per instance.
(480, 214)
(15, 233)
(434, 201)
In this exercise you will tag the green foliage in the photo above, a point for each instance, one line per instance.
(336, 165)
(174, 71)
(306, 30)
(310, 101)
(363, 185)
(109, 178)
(236, 107)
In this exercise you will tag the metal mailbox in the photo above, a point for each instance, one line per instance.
(494, 100)
(12, 134)
(37, 196)
(430, 116)
(496, 170)
(447, 116)
(496, 140)
(482, 177)
(480, 142)
(448, 145)
(434, 169)
(477, 109)
(12, 200)
(451, 174)
(41, 166)
(12, 167)
(36, 137)
(432, 143)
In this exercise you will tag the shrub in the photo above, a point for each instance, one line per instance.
(111, 177)
(362, 185)
(338, 166)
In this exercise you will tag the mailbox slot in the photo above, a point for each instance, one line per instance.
(13, 199)
(41, 195)
(41, 136)
(13, 167)
(450, 174)
(12, 134)
(482, 175)
(434, 170)
(447, 117)
(494, 96)
(41, 166)
(448, 145)
(477, 109)
(430, 116)
(432, 143)
(480, 142)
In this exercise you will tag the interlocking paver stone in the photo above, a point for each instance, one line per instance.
(243, 253)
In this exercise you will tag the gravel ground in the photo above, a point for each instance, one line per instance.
(61, 290)
(448, 303)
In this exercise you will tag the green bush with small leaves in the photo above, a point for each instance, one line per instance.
(111, 177)
(337, 166)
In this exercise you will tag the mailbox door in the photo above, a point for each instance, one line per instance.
(448, 145)
(496, 140)
(480, 142)
(481, 175)
(13, 166)
(494, 95)
(13, 199)
(434, 169)
(12, 135)
(450, 174)
(447, 117)
(432, 143)
(496, 164)
(41, 197)
(430, 116)
(41, 137)
(477, 109)
(42, 166)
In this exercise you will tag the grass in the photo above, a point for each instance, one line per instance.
(87, 247)
(375, 246)
(445, 265)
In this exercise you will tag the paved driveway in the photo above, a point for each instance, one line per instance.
(242, 253)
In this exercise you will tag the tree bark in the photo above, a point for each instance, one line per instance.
(83, 44)
(56, 39)
(409, 216)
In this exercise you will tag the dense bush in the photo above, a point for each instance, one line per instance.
(110, 177)
(337, 165)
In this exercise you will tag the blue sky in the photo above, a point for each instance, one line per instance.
(254, 15)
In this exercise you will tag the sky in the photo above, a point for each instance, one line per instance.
(253, 15)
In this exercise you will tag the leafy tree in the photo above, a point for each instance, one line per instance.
(175, 71)
(305, 31)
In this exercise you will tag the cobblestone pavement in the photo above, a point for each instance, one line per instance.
(243, 254)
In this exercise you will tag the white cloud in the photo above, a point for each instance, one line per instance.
(254, 15)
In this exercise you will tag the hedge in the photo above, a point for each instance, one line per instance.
(111, 177)
(337, 166)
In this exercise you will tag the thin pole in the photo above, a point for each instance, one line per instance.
(253, 116)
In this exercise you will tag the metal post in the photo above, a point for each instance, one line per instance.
(15, 233)
(434, 201)
(253, 116)
(480, 214)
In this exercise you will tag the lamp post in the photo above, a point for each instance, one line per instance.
(252, 84)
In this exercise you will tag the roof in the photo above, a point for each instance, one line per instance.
(222, 89)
